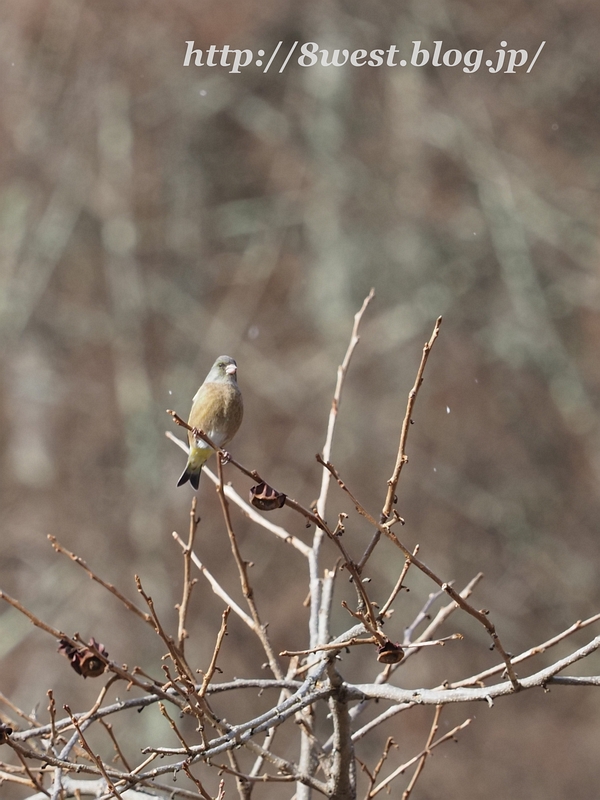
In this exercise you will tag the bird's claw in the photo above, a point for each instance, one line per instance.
(225, 457)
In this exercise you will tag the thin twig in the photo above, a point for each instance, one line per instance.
(35, 783)
(36, 620)
(200, 707)
(108, 586)
(264, 778)
(196, 782)
(402, 458)
(399, 585)
(427, 750)
(52, 712)
(242, 566)
(324, 648)
(383, 758)
(188, 581)
(213, 661)
(365, 605)
(422, 615)
(27, 717)
(109, 729)
(173, 727)
(335, 404)
(179, 661)
(96, 759)
(444, 613)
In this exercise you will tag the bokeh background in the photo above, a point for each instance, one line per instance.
(153, 217)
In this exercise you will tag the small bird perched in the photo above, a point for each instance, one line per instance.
(217, 409)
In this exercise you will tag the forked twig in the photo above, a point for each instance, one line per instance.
(423, 754)
(427, 750)
(382, 759)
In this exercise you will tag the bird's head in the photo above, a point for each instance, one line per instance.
(224, 369)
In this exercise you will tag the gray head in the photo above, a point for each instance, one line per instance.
(224, 370)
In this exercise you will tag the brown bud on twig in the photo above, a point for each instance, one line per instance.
(84, 660)
(389, 653)
(266, 498)
(5, 732)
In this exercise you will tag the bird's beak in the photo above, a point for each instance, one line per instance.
(230, 369)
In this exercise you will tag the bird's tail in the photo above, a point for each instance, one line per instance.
(193, 469)
(191, 475)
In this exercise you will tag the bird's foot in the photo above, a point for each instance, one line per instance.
(225, 457)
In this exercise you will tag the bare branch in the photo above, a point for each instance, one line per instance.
(534, 651)
(469, 694)
(342, 783)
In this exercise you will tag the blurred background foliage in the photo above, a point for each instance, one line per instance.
(153, 217)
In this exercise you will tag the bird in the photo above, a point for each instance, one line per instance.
(217, 409)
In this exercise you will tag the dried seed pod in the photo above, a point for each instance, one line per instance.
(83, 659)
(389, 653)
(266, 498)
(5, 732)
